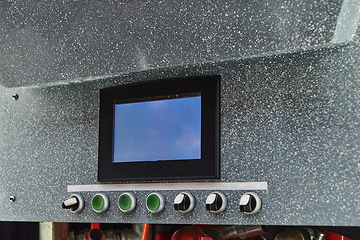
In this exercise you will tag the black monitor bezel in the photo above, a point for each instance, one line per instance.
(208, 167)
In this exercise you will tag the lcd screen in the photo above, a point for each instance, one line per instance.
(157, 129)
(166, 129)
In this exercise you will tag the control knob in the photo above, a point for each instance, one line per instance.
(75, 203)
(250, 203)
(184, 202)
(216, 202)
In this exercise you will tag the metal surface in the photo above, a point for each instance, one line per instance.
(289, 103)
(44, 41)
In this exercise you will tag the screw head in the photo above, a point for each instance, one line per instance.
(15, 96)
(12, 198)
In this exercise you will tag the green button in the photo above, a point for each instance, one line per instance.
(97, 202)
(125, 202)
(153, 202)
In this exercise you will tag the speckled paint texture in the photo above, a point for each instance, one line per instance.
(289, 101)
(47, 41)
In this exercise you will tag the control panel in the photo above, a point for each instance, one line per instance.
(184, 202)
(286, 134)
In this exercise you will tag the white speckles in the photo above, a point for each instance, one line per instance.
(290, 118)
(80, 36)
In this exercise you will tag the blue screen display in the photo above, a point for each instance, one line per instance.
(157, 130)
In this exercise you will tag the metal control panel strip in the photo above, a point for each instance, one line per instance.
(169, 186)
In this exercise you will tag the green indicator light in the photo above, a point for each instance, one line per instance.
(153, 202)
(97, 202)
(125, 202)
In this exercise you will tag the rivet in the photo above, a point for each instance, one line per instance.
(15, 96)
(12, 198)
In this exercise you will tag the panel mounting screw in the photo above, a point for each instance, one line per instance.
(12, 198)
(15, 96)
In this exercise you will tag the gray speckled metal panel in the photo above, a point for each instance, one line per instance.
(47, 41)
(290, 119)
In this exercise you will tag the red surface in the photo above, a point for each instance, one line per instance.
(94, 226)
(162, 236)
(334, 236)
(206, 226)
(189, 233)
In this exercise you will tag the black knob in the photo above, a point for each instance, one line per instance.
(184, 202)
(216, 202)
(95, 234)
(250, 203)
